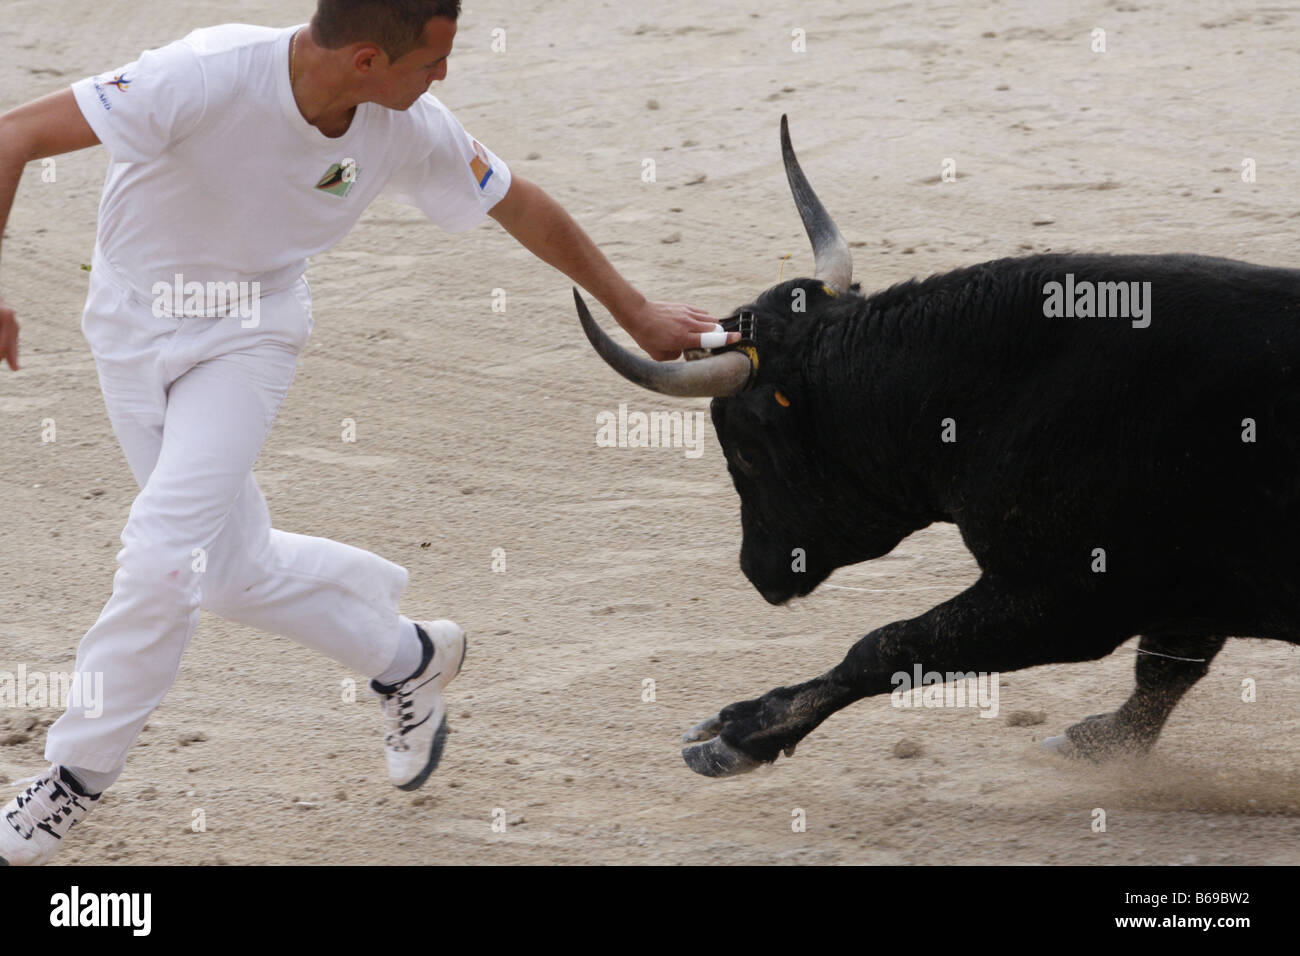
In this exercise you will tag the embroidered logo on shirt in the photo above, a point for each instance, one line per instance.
(338, 179)
(103, 98)
(119, 80)
(481, 166)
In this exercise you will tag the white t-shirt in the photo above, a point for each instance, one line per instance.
(216, 175)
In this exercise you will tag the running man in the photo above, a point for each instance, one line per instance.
(237, 153)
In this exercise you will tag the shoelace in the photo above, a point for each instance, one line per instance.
(399, 716)
(47, 805)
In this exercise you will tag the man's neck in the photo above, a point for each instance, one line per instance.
(318, 95)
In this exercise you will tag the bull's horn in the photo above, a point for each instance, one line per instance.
(720, 375)
(830, 251)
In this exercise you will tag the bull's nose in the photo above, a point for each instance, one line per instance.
(777, 595)
(773, 589)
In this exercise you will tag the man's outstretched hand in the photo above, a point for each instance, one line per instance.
(8, 336)
(541, 226)
(664, 329)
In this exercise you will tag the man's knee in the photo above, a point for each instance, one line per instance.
(169, 574)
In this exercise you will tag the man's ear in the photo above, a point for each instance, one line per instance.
(368, 57)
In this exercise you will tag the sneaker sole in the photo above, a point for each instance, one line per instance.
(435, 755)
(439, 738)
(464, 653)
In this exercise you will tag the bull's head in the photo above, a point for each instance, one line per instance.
(770, 424)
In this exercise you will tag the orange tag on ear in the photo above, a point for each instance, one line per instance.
(782, 400)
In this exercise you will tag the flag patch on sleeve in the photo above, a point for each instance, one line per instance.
(480, 166)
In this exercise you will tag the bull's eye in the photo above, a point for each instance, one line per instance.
(782, 400)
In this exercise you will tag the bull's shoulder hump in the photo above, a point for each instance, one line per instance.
(1031, 273)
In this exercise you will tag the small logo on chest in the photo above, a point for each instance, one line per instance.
(338, 179)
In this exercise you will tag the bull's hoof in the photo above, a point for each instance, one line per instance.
(1060, 746)
(1099, 738)
(704, 730)
(712, 756)
(717, 758)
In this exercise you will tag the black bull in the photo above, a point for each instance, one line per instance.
(1112, 476)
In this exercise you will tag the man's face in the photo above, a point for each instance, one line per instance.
(400, 83)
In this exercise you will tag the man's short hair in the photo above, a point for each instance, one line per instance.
(395, 26)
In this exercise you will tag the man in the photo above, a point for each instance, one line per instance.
(238, 152)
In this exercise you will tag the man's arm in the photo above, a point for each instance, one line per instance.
(49, 126)
(541, 226)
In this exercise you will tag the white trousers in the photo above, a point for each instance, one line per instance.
(191, 401)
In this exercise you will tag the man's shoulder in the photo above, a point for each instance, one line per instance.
(230, 38)
(228, 58)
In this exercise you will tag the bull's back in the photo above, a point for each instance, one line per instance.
(1170, 440)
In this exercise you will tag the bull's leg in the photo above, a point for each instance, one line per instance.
(985, 628)
(1167, 666)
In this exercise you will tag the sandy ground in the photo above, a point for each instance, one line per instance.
(476, 431)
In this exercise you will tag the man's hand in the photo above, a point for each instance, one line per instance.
(664, 329)
(8, 336)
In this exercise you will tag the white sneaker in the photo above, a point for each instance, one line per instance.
(415, 715)
(33, 825)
